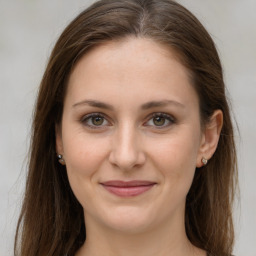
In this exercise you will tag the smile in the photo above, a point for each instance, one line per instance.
(127, 188)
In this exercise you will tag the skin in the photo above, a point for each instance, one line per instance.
(127, 143)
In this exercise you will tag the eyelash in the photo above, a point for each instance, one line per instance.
(88, 118)
(85, 120)
(170, 119)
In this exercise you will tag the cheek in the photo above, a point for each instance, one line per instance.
(83, 156)
(176, 159)
(177, 151)
(82, 152)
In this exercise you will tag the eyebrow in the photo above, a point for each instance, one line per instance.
(94, 103)
(162, 103)
(145, 106)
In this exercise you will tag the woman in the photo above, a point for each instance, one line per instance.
(132, 149)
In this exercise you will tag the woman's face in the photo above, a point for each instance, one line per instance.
(131, 136)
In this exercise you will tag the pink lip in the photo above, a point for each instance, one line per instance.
(127, 188)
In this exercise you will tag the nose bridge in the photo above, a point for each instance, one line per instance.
(126, 148)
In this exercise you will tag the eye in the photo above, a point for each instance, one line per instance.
(95, 120)
(160, 120)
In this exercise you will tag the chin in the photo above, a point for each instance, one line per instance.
(128, 220)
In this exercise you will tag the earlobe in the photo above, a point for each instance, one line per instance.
(210, 138)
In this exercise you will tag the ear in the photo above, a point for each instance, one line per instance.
(210, 137)
(59, 144)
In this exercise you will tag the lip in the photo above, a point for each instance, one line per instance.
(127, 188)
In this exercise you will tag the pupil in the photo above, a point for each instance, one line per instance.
(159, 120)
(97, 120)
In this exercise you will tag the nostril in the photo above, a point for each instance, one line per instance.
(126, 151)
(127, 159)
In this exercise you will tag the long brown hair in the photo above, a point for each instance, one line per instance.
(51, 220)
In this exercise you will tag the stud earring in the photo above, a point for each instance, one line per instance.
(204, 161)
(61, 160)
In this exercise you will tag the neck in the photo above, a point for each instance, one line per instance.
(165, 240)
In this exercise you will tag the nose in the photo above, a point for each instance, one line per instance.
(127, 149)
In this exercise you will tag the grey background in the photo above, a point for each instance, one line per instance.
(28, 30)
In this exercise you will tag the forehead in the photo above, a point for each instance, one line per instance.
(127, 52)
(130, 67)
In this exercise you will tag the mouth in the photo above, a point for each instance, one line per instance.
(128, 188)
